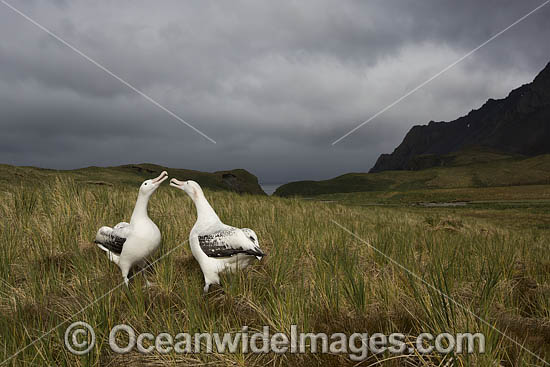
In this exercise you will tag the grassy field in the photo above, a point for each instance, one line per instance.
(492, 259)
(527, 193)
(469, 170)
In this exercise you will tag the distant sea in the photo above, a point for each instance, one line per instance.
(270, 188)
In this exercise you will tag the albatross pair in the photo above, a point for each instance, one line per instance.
(216, 246)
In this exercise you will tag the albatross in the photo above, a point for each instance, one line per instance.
(129, 244)
(216, 246)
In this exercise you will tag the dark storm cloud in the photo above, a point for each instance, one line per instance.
(274, 83)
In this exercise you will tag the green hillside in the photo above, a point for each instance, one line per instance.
(238, 180)
(464, 172)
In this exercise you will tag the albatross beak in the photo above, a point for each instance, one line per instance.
(163, 176)
(176, 183)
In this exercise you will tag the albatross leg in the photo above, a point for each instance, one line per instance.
(209, 279)
(125, 269)
(143, 266)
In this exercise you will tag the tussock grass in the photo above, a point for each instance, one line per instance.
(315, 275)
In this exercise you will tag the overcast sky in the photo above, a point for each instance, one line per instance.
(274, 83)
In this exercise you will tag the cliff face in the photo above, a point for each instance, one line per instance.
(518, 124)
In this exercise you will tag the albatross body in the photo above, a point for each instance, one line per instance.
(129, 244)
(216, 246)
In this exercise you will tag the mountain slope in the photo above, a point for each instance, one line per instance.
(238, 180)
(517, 124)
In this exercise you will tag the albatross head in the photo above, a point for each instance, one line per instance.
(148, 187)
(191, 188)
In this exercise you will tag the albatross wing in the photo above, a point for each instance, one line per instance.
(112, 239)
(229, 242)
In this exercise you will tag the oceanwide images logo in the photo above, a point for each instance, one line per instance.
(80, 339)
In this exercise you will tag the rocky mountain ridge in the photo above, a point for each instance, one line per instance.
(518, 124)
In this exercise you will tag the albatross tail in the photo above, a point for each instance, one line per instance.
(111, 255)
(260, 257)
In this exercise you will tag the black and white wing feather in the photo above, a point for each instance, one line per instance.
(112, 239)
(230, 242)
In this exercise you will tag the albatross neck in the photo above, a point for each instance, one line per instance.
(140, 210)
(205, 212)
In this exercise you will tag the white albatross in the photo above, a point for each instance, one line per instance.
(216, 246)
(129, 244)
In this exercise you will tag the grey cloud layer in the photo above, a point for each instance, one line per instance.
(274, 83)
